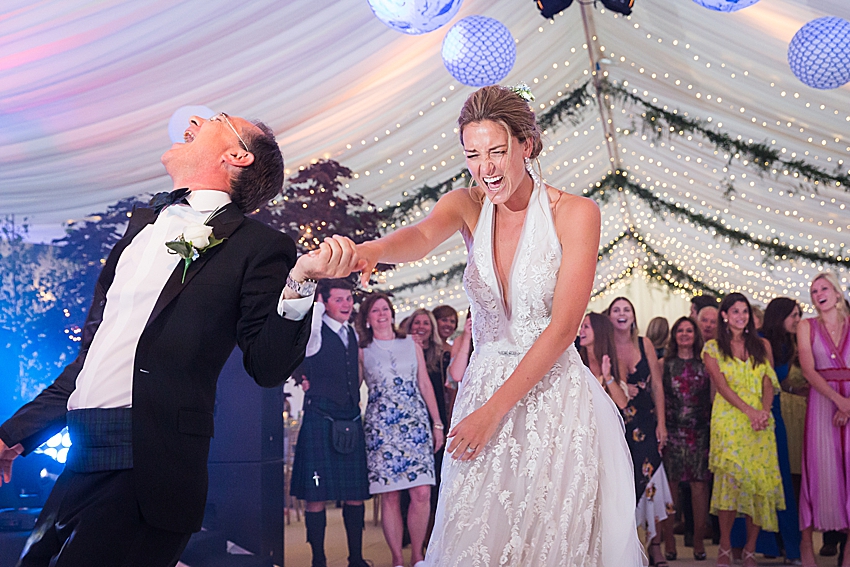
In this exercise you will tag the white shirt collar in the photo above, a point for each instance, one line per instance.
(207, 200)
(332, 323)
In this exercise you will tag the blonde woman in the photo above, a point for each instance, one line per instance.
(824, 350)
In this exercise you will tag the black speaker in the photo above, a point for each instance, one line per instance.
(243, 521)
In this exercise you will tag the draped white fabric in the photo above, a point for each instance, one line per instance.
(87, 88)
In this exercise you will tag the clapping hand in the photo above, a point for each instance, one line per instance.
(335, 257)
(7, 455)
(606, 365)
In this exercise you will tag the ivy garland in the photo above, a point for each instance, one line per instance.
(427, 193)
(450, 274)
(619, 181)
(569, 107)
(757, 154)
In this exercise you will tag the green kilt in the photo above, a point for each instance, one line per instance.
(319, 472)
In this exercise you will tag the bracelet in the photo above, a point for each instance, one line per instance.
(608, 382)
(439, 426)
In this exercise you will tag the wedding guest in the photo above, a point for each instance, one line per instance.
(599, 353)
(423, 329)
(687, 396)
(824, 350)
(700, 301)
(658, 332)
(779, 328)
(446, 317)
(400, 445)
(645, 420)
(742, 452)
(322, 470)
(707, 322)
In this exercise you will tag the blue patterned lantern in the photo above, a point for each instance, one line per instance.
(415, 17)
(725, 5)
(479, 51)
(819, 53)
(180, 120)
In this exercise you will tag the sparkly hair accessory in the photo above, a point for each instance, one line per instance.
(523, 91)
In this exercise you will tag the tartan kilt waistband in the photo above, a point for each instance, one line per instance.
(101, 439)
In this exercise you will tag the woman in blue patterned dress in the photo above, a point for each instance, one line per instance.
(399, 444)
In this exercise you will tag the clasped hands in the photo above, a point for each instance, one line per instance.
(336, 257)
(758, 418)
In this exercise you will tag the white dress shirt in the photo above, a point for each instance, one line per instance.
(106, 379)
(320, 316)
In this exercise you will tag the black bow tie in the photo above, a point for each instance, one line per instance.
(162, 200)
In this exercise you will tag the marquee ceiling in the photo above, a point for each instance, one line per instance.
(87, 88)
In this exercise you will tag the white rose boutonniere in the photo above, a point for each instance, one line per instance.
(196, 239)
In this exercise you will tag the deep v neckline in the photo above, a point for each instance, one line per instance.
(504, 291)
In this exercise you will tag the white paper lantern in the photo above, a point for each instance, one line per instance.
(415, 17)
(725, 5)
(819, 53)
(180, 120)
(479, 51)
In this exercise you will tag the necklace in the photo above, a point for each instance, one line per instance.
(377, 342)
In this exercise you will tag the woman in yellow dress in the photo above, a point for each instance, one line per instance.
(742, 452)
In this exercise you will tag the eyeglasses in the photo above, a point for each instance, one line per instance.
(224, 116)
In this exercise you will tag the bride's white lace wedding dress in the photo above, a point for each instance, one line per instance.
(554, 486)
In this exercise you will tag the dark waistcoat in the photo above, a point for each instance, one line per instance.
(333, 371)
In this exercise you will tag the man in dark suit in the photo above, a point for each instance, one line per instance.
(138, 400)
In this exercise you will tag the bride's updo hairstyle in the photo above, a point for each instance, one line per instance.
(502, 106)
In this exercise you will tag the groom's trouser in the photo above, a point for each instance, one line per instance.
(93, 519)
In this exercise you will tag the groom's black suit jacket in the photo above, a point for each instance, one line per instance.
(230, 296)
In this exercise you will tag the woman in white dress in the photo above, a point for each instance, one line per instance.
(540, 473)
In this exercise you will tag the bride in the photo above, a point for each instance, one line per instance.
(540, 473)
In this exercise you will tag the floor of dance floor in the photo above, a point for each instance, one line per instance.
(297, 552)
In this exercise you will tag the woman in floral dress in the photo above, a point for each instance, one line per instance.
(399, 444)
(742, 452)
(645, 420)
(687, 397)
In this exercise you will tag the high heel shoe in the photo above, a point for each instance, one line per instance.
(721, 553)
(699, 556)
(750, 559)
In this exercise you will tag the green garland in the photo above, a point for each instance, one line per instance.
(427, 193)
(448, 275)
(606, 187)
(759, 155)
(569, 107)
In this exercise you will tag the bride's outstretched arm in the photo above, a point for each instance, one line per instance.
(451, 213)
(577, 222)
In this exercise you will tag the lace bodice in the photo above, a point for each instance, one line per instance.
(517, 322)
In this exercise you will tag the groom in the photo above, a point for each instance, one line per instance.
(138, 400)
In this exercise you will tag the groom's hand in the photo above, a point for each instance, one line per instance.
(7, 455)
(334, 258)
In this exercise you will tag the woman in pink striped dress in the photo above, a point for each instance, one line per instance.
(824, 346)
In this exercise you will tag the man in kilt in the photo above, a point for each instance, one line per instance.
(331, 465)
